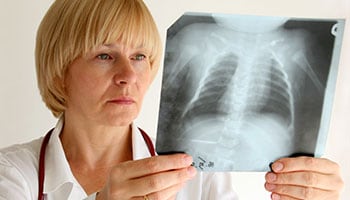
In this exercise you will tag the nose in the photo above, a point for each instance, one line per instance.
(125, 73)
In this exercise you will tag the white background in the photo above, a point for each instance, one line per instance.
(24, 116)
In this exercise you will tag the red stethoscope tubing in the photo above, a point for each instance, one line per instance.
(41, 174)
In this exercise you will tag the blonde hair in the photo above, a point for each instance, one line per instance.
(71, 28)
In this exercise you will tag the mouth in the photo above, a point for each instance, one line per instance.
(122, 101)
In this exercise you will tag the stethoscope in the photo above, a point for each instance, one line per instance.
(44, 144)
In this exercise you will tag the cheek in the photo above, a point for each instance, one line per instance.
(89, 83)
(144, 84)
(82, 86)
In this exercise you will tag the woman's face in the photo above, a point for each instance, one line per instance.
(107, 85)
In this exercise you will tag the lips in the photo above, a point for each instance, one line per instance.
(122, 101)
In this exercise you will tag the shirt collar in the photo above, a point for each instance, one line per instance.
(139, 147)
(57, 170)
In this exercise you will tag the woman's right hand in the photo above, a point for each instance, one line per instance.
(158, 177)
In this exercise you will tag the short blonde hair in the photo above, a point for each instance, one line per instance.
(71, 28)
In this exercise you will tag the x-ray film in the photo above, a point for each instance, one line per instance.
(239, 92)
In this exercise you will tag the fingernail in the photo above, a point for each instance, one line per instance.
(277, 166)
(188, 160)
(271, 177)
(270, 186)
(191, 171)
(275, 197)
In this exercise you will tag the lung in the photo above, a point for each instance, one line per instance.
(210, 100)
(237, 99)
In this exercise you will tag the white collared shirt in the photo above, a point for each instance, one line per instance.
(19, 173)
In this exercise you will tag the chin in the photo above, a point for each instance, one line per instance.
(120, 120)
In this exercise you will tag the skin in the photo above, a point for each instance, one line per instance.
(105, 90)
(304, 178)
(106, 87)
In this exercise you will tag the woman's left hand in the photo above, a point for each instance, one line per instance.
(304, 178)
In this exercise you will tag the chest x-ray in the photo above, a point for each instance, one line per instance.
(239, 92)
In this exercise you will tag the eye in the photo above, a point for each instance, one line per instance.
(139, 57)
(104, 56)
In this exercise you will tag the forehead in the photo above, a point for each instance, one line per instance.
(134, 35)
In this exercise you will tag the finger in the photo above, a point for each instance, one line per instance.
(298, 192)
(320, 165)
(156, 164)
(161, 181)
(307, 179)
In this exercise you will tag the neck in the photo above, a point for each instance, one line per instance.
(91, 147)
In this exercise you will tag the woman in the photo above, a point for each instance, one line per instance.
(95, 61)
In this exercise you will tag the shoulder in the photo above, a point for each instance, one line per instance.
(19, 169)
(191, 36)
(21, 154)
(21, 157)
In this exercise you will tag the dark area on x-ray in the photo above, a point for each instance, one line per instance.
(236, 98)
